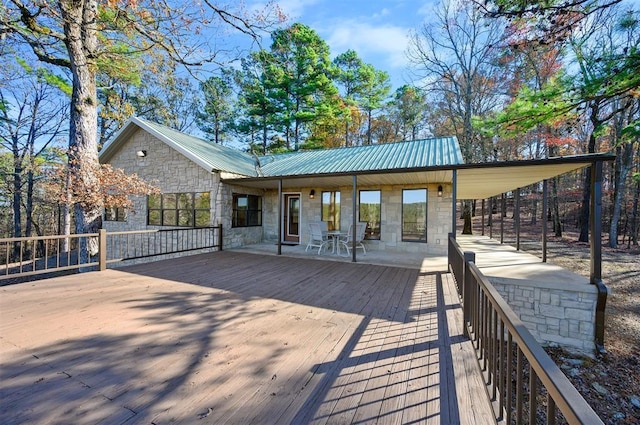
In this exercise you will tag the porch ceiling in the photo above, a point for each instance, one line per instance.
(483, 183)
(474, 181)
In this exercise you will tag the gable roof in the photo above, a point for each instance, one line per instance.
(433, 152)
(210, 156)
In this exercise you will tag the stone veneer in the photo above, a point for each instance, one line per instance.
(554, 312)
(438, 217)
(172, 172)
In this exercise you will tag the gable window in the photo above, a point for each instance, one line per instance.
(115, 214)
(331, 210)
(414, 215)
(247, 210)
(179, 209)
(370, 212)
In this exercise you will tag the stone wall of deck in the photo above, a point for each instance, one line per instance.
(554, 312)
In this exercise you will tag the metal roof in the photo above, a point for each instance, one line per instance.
(211, 156)
(433, 152)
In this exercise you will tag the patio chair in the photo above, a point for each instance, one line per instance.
(317, 238)
(347, 240)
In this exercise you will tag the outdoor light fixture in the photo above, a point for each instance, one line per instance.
(439, 191)
(312, 194)
(141, 154)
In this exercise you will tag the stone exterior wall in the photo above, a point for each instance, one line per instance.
(163, 167)
(438, 217)
(173, 173)
(555, 313)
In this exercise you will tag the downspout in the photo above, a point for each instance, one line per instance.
(595, 225)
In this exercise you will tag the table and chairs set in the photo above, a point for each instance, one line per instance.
(322, 238)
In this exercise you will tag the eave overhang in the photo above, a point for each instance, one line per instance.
(474, 181)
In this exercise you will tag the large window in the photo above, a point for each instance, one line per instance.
(331, 209)
(179, 209)
(247, 210)
(115, 214)
(370, 212)
(414, 215)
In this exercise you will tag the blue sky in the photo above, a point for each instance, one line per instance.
(377, 30)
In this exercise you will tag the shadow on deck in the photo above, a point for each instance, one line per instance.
(239, 338)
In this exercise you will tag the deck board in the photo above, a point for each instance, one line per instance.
(238, 338)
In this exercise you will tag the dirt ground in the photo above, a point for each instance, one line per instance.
(610, 383)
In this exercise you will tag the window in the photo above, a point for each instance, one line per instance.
(115, 214)
(247, 210)
(179, 209)
(370, 212)
(414, 215)
(331, 209)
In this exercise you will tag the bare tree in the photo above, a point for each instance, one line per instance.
(31, 121)
(65, 33)
(455, 57)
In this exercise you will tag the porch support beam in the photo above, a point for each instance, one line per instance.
(482, 227)
(503, 213)
(280, 218)
(516, 213)
(454, 193)
(491, 218)
(355, 219)
(545, 207)
(595, 226)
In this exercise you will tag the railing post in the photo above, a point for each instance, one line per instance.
(102, 249)
(467, 287)
(220, 237)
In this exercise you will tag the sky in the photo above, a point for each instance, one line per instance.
(376, 29)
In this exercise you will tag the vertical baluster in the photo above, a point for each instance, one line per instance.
(509, 389)
(519, 387)
(6, 258)
(551, 410)
(533, 395)
(46, 253)
(485, 337)
(494, 355)
(20, 257)
(502, 369)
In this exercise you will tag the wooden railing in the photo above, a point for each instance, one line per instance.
(516, 368)
(27, 256)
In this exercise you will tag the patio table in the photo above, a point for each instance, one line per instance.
(334, 235)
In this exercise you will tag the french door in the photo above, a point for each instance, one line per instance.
(291, 218)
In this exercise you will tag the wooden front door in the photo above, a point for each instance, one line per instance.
(292, 218)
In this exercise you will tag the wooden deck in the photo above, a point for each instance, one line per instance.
(237, 338)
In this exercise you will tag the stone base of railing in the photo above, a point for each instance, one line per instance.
(554, 312)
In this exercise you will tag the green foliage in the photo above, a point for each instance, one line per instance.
(529, 109)
(46, 75)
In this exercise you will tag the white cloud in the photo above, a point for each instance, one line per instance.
(386, 42)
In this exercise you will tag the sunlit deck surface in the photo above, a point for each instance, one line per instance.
(239, 338)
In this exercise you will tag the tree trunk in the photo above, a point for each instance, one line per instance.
(624, 163)
(80, 28)
(466, 216)
(633, 232)
(17, 207)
